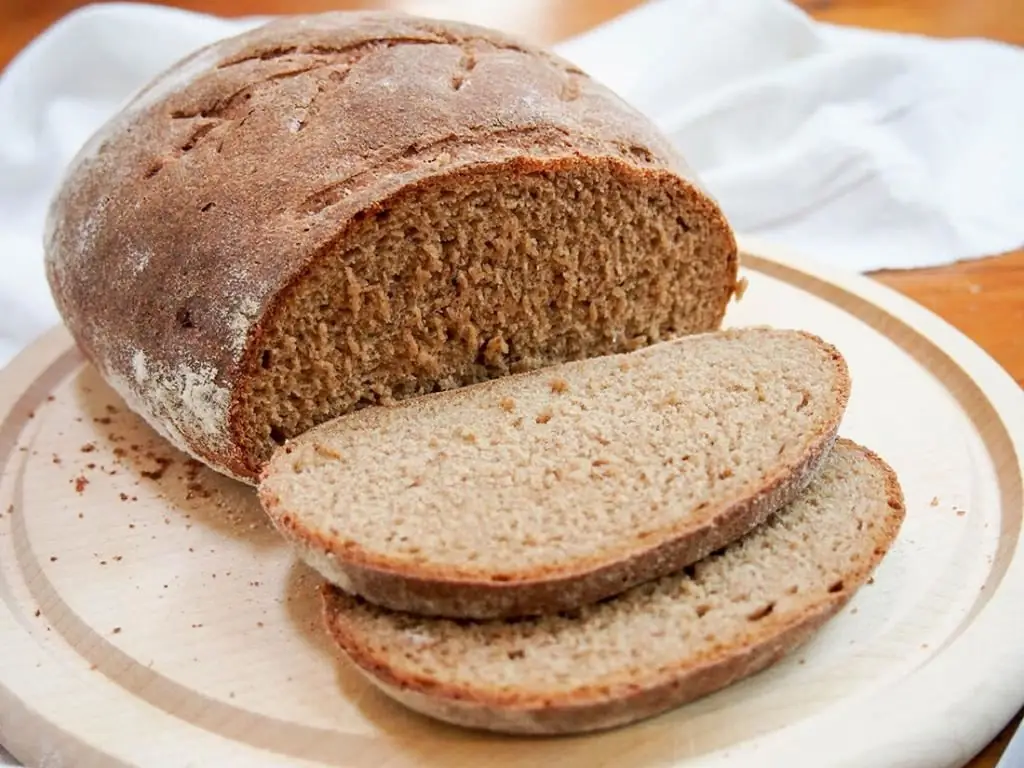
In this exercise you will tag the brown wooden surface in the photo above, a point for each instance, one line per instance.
(983, 298)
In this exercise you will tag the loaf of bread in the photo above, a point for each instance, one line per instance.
(653, 648)
(551, 489)
(348, 209)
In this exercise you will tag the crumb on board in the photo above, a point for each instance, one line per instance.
(90, 465)
(871, 580)
(53, 558)
(38, 613)
(102, 419)
(117, 630)
(934, 501)
(961, 512)
(741, 288)
(50, 398)
(163, 463)
(56, 459)
(123, 496)
(88, 448)
(80, 483)
(10, 509)
(81, 515)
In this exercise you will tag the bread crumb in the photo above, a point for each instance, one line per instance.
(50, 398)
(117, 630)
(38, 613)
(162, 465)
(56, 459)
(80, 483)
(495, 349)
(559, 386)
(935, 501)
(124, 496)
(88, 448)
(326, 451)
(507, 404)
(53, 558)
(741, 288)
(961, 512)
(10, 509)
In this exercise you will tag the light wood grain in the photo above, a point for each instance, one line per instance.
(983, 298)
(149, 611)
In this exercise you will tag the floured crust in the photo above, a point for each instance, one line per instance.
(182, 225)
(652, 691)
(438, 590)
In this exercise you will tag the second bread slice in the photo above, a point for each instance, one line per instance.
(655, 647)
(554, 489)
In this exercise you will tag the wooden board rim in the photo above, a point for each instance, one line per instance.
(905, 709)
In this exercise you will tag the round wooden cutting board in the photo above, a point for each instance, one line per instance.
(150, 616)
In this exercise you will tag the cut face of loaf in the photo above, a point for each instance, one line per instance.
(657, 646)
(348, 209)
(547, 490)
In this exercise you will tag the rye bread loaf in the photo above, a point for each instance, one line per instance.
(348, 209)
(653, 648)
(551, 489)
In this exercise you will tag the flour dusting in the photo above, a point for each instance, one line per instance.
(241, 321)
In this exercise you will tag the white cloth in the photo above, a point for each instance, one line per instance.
(860, 148)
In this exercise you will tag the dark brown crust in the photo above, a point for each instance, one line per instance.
(588, 709)
(433, 590)
(184, 223)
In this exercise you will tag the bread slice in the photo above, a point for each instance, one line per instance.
(655, 647)
(545, 491)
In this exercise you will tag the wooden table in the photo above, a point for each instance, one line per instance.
(984, 298)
